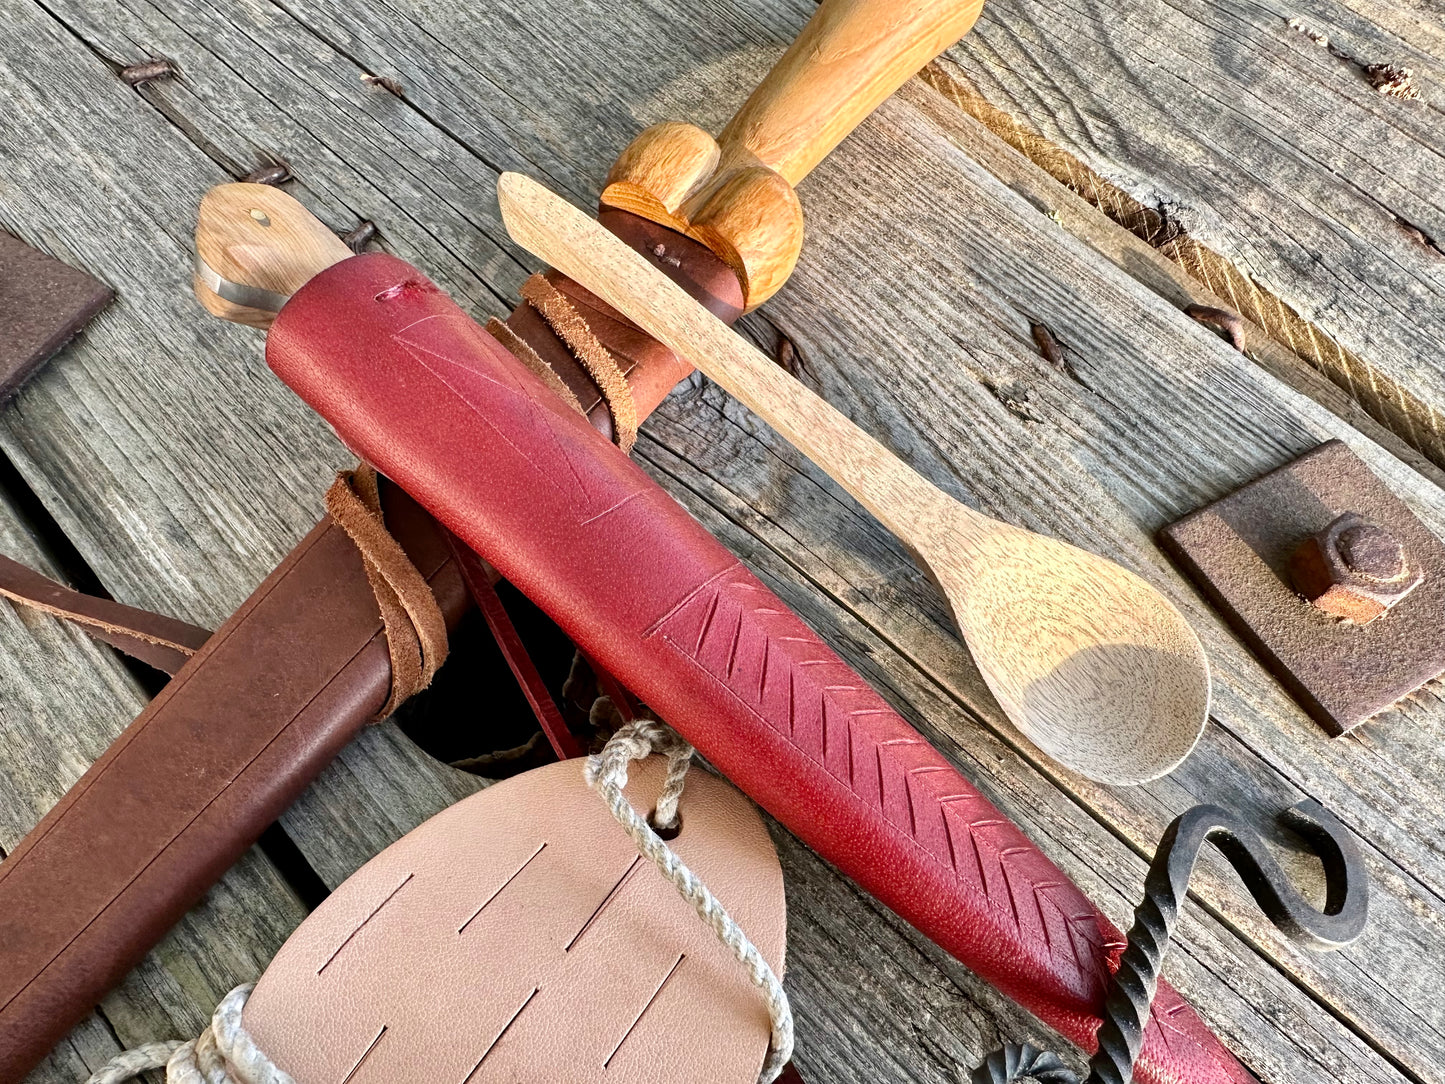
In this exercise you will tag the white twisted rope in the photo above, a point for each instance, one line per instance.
(131, 1063)
(198, 1062)
(225, 1054)
(606, 772)
(244, 1059)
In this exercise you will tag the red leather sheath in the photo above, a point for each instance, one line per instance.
(442, 409)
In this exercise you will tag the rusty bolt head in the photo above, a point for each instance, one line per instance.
(1354, 569)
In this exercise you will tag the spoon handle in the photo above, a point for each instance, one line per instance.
(575, 244)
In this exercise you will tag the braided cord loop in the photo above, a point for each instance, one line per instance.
(606, 772)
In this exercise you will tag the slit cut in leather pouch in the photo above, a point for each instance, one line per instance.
(519, 935)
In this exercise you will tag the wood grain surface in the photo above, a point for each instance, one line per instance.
(182, 471)
(1242, 129)
(851, 55)
(255, 244)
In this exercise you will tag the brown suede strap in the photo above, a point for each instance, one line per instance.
(156, 640)
(416, 632)
(564, 319)
(524, 353)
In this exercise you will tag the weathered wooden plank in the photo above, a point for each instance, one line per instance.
(333, 122)
(1166, 276)
(1269, 148)
(1414, 21)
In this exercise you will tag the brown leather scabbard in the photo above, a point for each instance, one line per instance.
(229, 743)
(254, 715)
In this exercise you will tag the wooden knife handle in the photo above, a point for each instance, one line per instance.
(735, 193)
(850, 56)
(255, 247)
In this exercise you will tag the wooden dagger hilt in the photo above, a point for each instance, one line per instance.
(735, 193)
(255, 247)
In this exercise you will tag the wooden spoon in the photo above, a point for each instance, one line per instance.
(1092, 663)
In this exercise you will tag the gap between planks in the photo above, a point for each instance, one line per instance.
(1282, 341)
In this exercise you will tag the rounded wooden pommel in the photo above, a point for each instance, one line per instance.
(255, 247)
(659, 170)
(747, 214)
(752, 219)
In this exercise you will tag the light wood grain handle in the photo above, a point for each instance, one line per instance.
(735, 193)
(255, 247)
(850, 56)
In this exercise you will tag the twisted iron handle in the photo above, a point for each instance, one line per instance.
(1130, 994)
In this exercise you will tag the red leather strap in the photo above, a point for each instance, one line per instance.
(479, 583)
(613, 689)
(444, 410)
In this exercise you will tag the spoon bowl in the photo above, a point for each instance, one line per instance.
(1077, 650)
(1091, 663)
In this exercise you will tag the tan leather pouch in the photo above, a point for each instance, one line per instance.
(519, 936)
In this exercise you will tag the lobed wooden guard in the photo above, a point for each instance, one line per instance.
(735, 193)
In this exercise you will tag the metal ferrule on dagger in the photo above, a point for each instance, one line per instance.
(501, 459)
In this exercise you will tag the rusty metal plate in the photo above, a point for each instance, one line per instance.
(1238, 550)
(43, 303)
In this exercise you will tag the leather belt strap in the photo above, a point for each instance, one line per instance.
(156, 640)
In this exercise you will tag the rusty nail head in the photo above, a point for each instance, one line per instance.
(1222, 321)
(148, 71)
(1354, 569)
(275, 174)
(359, 238)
